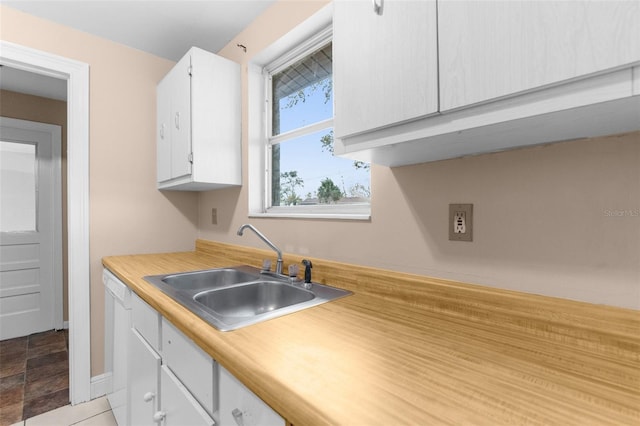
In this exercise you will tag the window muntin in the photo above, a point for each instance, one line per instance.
(302, 170)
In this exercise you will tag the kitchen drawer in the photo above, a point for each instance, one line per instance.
(146, 320)
(194, 367)
(238, 405)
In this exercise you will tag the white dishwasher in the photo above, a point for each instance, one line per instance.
(117, 320)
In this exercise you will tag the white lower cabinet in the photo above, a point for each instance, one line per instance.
(173, 382)
(178, 406)
(156, 395)
(241, 407)
(144, 383)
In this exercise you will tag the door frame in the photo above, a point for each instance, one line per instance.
(54, 132)
(77, 76)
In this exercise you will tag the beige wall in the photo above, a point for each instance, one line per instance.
(546, 219)
(127, 213)
(51, 111)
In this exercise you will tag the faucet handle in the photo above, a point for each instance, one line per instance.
(293, 270)
(266, 265)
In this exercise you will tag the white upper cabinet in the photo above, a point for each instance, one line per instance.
(198, 134)
(385, 64)
(426, 81)
(491, 49)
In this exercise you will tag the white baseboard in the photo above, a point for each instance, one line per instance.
(99, 385)
(65, 325)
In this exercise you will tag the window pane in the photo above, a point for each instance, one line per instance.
(303, 92)
(305, 172)
(18, 192)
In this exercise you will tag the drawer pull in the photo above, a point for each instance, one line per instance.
(159, 416)
(237, 416)
(377, 6)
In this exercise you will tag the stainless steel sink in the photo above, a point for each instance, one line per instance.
(231, 298)
(252, 299)
(213, 278)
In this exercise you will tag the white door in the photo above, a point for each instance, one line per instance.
(30, 228)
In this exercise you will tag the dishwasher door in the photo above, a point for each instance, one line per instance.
(117, 320)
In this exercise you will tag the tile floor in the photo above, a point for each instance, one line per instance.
(34, 384)
(92, 413)
(34, 375)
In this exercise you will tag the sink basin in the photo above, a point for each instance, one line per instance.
(252, 299)
(231, 298)
(213, 278)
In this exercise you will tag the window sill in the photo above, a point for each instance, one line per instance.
(336, 216)
(329, 212)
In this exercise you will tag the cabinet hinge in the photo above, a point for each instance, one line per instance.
(191, 157)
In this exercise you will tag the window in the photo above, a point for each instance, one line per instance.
(302, 175)
(18, 169)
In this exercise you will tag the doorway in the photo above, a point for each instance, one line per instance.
(30, 228)
(76, 75)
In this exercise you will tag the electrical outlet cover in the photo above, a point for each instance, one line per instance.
(461, 222)
(214, 216)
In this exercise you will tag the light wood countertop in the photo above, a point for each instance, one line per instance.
(409, 350)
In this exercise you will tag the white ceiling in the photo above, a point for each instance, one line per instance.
(165, 28)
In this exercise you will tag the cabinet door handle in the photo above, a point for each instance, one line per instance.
(159, 416)
(148, 397)
(177, 120)
(237, 416)
(377, 6)
(162, 131)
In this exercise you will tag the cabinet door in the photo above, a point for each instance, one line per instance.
(178, 406)
(164, 128)
(174, 122)
(239, 406)
(384, 66)
(490, 49)
(181, 115)
(216, 109)
(144, 378)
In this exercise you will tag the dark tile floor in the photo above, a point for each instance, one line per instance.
(34, 375)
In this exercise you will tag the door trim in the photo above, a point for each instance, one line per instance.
(77, 76)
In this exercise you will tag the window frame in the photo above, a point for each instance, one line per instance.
(309, 36)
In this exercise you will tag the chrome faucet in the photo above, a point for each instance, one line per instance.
(267, 242)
